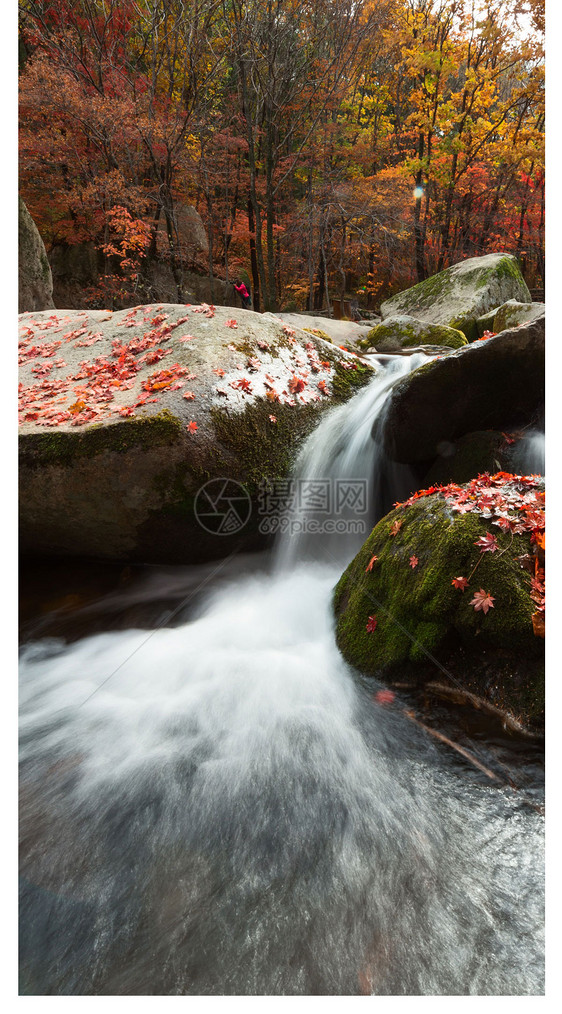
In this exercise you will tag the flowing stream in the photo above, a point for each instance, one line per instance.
(219, 806)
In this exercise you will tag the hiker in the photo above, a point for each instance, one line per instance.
(243, 293)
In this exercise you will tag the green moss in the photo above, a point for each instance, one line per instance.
(61, 447)
(468, 326)
(418, 609)
(262, 449)
(318, 333)
(346, 383)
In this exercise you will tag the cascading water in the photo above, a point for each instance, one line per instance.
(340, 450)
(220, 808)
(529, 453)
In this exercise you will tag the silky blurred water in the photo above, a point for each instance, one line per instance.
(221, 807)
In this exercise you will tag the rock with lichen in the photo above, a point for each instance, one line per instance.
(462, 293)
(124, 416)
(509, 315)
(402, 332)
(496, 383)
(453, 580)
(35, 282)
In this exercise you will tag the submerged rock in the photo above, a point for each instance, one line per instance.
(35, 281)
(489, 384)
(462, 293)
(125, 416)
(403, 332)
(454, 575)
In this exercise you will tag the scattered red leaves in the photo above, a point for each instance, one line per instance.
(514, 503)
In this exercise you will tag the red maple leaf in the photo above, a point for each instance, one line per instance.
(460, 582)
(231, 323)
(242, 385)
(188, 395)
(488, 543)
(192, 427)
(396, 526)
(369, 566)
(384, 696)
(273, 418)
(371, 624)
(296, 384)
(482, 600)
(414, 562)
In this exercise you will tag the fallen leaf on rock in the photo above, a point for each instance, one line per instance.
(482, 600)
(371, 624)
(369, 566)
(487, 543)
(460, 582)
(414, 562)
(192, 427)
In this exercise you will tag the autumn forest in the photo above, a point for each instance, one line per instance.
(331, 149)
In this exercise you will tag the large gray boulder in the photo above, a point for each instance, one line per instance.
(125, 416)
(396, 334)
(347, 333)
(461, 294)
(489, 384)
(35, 282)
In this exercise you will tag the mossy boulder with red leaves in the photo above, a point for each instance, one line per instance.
(453, 579)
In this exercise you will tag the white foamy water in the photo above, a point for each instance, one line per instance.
(231, 813)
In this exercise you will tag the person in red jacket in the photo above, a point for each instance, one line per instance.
(243, 293)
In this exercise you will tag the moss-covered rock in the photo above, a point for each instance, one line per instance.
(513, 313)
(124, 416)
(403, 332)
(489, 384)
(462, 293)
(35, 281)
(421, 616)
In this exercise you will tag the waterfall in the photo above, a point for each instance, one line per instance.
(343, 457)
(221, 808)
(529, 453)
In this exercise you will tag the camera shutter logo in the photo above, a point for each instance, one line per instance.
(222, 506)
